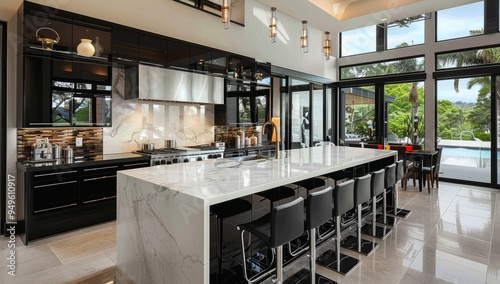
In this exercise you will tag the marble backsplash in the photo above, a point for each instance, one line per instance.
(139, 121)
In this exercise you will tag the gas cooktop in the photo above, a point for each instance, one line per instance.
(162, 151)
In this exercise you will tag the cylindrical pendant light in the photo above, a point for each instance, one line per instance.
(226, 13)
(273, 26)
(327, 49)
(304, 41)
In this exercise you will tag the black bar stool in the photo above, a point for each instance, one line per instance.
(343, 201)
(281, 226)
(376, 188)
(389, 185)
(222, 211)
(361, 196)
(318, 212)
(400, 176)
(276, 194)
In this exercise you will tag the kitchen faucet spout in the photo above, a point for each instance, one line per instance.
(277, 142)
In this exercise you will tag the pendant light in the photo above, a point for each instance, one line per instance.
(226, 13)
(273, 27)
(327, 49)
(304, 41)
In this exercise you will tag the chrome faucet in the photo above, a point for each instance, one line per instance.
(277, 135)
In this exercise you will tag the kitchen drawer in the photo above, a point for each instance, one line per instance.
(98, 183)
(54, 176)
(135, 165)
(56, 195)
(97, 188)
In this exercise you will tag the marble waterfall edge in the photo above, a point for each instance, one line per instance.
(165, 230)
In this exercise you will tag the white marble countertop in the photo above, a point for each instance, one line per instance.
(216, 181)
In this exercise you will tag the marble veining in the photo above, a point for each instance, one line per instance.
(163, 211)
(139, 121)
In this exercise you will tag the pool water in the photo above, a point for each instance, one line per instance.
(466, 152)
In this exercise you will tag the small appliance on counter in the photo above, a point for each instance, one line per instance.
(42, 150)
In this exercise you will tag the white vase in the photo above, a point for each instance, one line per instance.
(85, 48)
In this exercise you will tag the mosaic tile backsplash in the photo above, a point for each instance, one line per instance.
(64, 137)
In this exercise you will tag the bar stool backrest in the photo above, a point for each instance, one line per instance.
(287, 222)
(400, 170)
(343, 197)
(362, 189)
(390, 175)
(319, 208)
(377, 183)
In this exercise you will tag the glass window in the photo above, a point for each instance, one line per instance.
(317, 117)
(461, 21)
(358, 122)
(408, 65)
(406, 35)
(468, 58)
(401, 126)
(358, 41)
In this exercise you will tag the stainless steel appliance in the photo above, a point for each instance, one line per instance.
(42, 150)
(195, 153)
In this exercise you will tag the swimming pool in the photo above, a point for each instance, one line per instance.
(467, 152)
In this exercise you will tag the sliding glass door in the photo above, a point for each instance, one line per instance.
(464, 128)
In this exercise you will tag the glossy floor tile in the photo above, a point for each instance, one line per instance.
(451, 236)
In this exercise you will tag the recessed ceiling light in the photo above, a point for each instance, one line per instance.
(383, 19)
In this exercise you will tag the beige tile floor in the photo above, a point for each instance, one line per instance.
(452, 236)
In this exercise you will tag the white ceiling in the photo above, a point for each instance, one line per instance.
(356, 13)
(370, 11)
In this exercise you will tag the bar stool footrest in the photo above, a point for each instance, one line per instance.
(328, 259)
(302, 277)
(391, 220)
(402, 213)
(367, 247)
(380, 232)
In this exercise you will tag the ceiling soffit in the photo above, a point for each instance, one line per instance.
(347, 9)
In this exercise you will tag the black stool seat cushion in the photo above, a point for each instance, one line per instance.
(310, 183)
(343, 198)
(319, 208)
(277, 193)
(377, 184)
(362, 189)
(282, 225)
(230, 208)
(390, 176)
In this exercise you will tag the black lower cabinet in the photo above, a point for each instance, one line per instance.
(58, 200)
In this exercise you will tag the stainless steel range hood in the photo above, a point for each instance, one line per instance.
(162, 84)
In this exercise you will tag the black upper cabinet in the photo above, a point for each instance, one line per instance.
(178, 54)
(218, 64)
(37, 100)
(152, 50)
(125, 44)
(199, 58)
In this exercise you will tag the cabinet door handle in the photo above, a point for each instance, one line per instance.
(53, 184)
(103, 168)
(100, 199)
(138, 164)
(54, 208)
(103, 177)
(58, 173)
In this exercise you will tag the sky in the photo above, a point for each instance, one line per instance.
(451, 23)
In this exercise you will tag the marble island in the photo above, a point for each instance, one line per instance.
(163, 211)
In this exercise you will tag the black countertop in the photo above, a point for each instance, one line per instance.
(32, 166)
